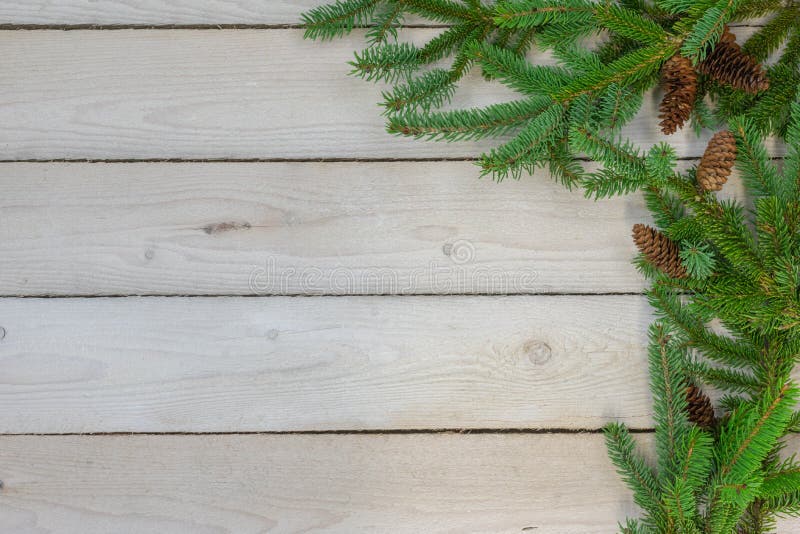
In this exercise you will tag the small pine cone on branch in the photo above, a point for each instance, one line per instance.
(728, 64)
(701, 411)
(717, 162)
(659, 250)
(679, 81)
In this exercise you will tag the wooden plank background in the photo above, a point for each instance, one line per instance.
(300, 228)
(444, 355)
(219, 94)
(300, 364)
(441, 483)
(155, 12)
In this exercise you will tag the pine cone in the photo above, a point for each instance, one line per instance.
(728, 64)
(717, 162)
(701, 411)
(659, 250)
(679, 81)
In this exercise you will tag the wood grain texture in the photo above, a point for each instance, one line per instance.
(331, 483)
(435, 483)
(155, 12)
(216, 94)
(310, 228)
(324, 363)
(160, 12)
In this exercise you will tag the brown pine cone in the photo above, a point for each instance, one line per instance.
(659, 250)
(728, 64)
(717, 162)
(701, 411)
(679, 81)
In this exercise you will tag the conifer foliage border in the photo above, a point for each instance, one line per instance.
(732, 264)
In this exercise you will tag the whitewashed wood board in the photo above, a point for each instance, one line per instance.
(216, 94)
(305, 228)
(432, 483)
(325, 363)
(155, 12)
(440, 483)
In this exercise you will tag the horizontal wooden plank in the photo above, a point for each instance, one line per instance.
(436, 483)
(439, 483)
(216, 94)
(326, 363)
(155, 12)
(311, 228)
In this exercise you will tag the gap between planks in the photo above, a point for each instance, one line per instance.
(283, 160)
(294, 160)
(325, 295)
(377, 432)
(113, 27)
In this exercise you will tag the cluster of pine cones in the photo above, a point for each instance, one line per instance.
(713, 171)
(727, 63)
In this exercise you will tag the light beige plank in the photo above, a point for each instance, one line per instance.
(328, 483)
(332, 363)
(311, 228)
(439, 483)
(215, 94)
(161, 12)
(153, 12)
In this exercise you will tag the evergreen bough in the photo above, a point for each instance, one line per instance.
(740, 263)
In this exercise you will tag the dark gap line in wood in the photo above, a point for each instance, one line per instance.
(237, 160)
(460, 431)
(283, 160)
(319, 295)
(225, 26)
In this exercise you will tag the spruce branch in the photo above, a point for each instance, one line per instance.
(633, 469)
(532, 13)
(629, 24)
(458, 125)
(386, 22)
(627, 70)
(388, 62)
(708, 30)
(428, 91)
(528, 149)
(668, 382)
(745, 441)
(516, 72)
(335, 20)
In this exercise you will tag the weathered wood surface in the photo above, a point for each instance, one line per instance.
(216, 94)
(434, 483)
(234, 365)
(441, 483)
(304, 228)
(336, 363)
(157, 12)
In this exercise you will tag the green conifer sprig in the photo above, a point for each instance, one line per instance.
(339, 18)
(459, 125)
(642, 37)
(533, 13)
(707, 29)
